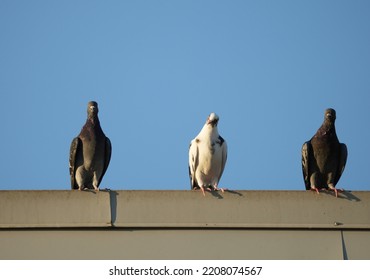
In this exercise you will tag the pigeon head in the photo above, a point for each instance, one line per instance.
(92, 109)
(330, 115)
(212, 119)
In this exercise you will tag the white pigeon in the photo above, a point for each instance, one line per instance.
(207, 157)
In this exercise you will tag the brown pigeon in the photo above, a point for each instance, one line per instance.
(323, 157)
(207, 157)
(90, 153)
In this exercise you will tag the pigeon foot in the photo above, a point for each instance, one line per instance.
(335, 190)
(313, 188)
(221, 189)
(202, 189)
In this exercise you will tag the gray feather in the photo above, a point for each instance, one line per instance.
(323, 156)
(90, 153)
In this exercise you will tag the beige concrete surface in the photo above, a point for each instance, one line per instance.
(184, 225)
(172, 244)
(244, 209)
(35, 209)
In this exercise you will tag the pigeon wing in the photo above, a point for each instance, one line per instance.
(75, 146)
(342, 162)
(223, 146)
(193, 163)
(107, 156)
(306, 154)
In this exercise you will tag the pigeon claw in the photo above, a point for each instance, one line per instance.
(313, 188)
(202, 189)
(221, 189)
(335, 190)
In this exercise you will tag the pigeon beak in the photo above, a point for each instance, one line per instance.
(212, 122)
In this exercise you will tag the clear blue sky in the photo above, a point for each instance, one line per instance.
(269, 69)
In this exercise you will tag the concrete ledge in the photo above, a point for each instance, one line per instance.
(184, 209)
(49, 209)
(242, 209)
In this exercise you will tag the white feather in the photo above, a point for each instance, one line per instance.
(207, 156)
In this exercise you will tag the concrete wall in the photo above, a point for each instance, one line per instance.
(184, 225)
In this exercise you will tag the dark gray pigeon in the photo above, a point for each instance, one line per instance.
(323, 157)
(90, 153)
(207, 157)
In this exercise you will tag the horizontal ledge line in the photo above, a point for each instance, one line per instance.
(199, 226)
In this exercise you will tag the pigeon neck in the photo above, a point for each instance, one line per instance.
(212, 131)
(328, 125)
(327, 129)
(94, 120)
